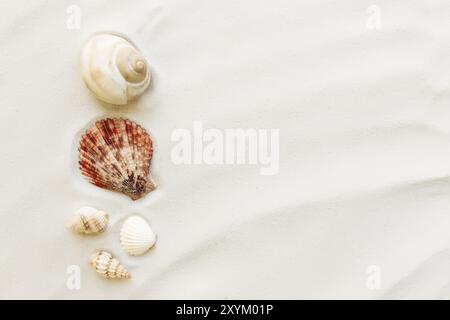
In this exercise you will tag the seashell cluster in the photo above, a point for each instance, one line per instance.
(89, 220)
(136, 236)
(108, 267)
(113, 68)
(115, 154)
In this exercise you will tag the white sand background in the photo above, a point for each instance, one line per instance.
(364, 179)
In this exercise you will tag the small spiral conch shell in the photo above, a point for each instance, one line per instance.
(136, 236)
(108, 267)
(115, 154)
(89, 220)
(113, 68)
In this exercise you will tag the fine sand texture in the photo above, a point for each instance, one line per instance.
(360, 94)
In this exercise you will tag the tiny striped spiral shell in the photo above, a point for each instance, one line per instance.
(89, 220)
(108, 267)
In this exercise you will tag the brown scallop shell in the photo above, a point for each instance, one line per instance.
(115, 154)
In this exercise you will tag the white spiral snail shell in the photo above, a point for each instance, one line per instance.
(113, 68)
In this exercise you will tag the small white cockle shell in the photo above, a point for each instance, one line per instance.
(108, 267)
(113, 68)
(136, 236)
(89, 220)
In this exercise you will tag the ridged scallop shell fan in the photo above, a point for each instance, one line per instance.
(115, 154)
(136, 236)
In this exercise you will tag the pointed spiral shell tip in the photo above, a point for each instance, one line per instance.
(139, 66)
(108, 267)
